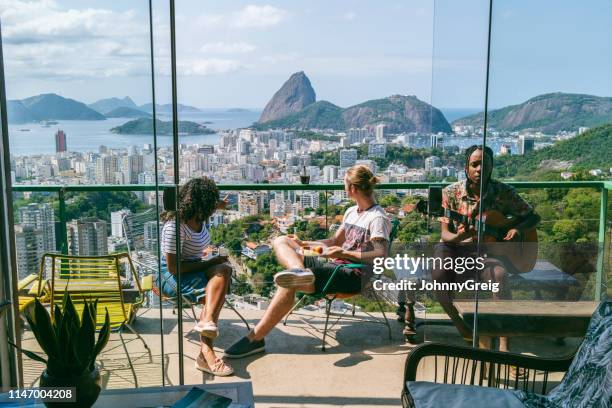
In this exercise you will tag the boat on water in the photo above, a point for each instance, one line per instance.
(24, 130)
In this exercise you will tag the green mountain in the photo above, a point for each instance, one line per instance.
(18, 113)
(125, 112)
(549, 113)
(590, 150)
(293, 106)
(144, 126)
(319, 115)
(400, 114)
(52, 106)
(106, 105)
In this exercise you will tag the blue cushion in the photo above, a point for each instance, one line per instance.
(433, 395)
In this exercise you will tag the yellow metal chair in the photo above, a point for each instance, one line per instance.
(97, 277)
(29, 289)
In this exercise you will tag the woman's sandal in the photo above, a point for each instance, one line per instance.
(219, 368)
(207, 329)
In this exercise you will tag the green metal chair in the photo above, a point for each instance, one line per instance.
(329, 297)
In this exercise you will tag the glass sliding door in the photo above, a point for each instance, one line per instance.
(84, 165)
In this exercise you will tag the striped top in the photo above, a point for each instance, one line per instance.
(192, 243)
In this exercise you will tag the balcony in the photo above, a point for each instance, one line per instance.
(295, 372)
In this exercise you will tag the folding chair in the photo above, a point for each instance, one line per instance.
(329, 297)
(145, 257)
(96, 277)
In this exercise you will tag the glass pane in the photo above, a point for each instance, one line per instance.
(458, 90)
(296, 94)
(78, 83)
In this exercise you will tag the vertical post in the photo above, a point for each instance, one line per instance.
(601, 241)
(62, 242)
(11, 365)
(175, 156)
(326, 199)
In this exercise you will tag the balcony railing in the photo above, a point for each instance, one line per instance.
(603, 187)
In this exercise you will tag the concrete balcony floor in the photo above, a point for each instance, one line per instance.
(361, 367)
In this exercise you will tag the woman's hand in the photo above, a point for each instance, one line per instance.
(222, 205)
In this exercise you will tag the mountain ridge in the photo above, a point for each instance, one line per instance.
(549, 113)
(294, 105)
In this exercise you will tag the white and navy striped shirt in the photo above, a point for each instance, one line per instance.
(192, 243)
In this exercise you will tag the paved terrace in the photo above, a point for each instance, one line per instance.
(361, 367)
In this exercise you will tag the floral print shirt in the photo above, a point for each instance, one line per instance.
(498, 196)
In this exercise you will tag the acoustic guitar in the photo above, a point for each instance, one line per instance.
(521, 253)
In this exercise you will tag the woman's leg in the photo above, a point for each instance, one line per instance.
(219, 279)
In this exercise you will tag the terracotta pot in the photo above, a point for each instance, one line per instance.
(87, 386)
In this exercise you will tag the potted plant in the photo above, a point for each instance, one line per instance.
(71, 348)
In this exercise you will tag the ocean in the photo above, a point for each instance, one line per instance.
(88, 135)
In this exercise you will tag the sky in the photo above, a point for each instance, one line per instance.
(238, 53)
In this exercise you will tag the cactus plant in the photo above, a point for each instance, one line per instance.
(68, 341)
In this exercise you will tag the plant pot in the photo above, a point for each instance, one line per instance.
(304, 179)
(87, 388)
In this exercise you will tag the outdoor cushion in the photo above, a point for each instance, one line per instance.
(433, 395)
(588, 382)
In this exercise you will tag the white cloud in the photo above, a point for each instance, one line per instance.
(228, 48)
(211, 66)
(350, 16)
(253, 16)
(43, 40)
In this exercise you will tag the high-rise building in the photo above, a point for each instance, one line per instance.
(310, 199)
(29, 245)
(380, 132)
(436, 141)
(370, 164)
(87, 237)
(348, 157)
(106, 167)
(135, 166)
(431, 162)
(251, 203)
(40, 216)
(60, 142)
(150, 235)
(330, 173)
(377, 150)
(117, 222)
(526, 144)
(357, 135)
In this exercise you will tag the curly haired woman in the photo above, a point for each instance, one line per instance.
(202, 281)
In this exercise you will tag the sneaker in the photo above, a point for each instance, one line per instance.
(245, 347)
(219, 368)
(294, 277)
(207, 329)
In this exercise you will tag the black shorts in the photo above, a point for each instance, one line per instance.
(347, 280)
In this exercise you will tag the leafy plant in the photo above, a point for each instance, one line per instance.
(68, 341)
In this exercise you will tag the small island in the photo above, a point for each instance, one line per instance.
(144, 126)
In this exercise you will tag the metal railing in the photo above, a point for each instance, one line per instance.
(62, 235)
